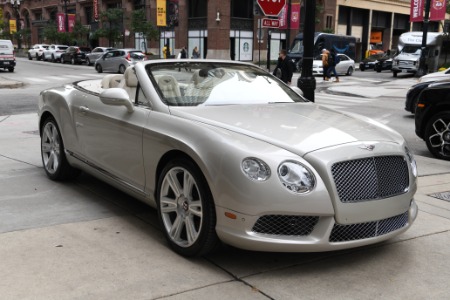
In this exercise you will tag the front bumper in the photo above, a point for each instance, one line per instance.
(309, 233)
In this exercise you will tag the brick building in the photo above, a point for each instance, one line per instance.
(226, 29)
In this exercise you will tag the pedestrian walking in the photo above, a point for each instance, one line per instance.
(195, 53)
(183, 55)
(284, 69)
(325, 54)
(332, 62)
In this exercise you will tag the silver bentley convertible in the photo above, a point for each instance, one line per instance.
(228, 153)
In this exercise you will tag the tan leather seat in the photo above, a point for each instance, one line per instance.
(168, 86)
(111, 81)
(129, 83)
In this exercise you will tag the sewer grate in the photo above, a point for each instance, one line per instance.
(442, 196)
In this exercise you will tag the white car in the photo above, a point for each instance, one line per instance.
(37, 51)
(346, 65)
(227, 152)
(441, 75)
(53, 53)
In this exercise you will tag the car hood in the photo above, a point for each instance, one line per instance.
(297, 127)
(407, 56)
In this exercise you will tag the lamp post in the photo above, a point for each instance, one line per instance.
(15, 4)
(66, 18)
(422, 70)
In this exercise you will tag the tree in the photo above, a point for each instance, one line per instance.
(52, 35)
(79, 34)
(112, 23)
(140, 24)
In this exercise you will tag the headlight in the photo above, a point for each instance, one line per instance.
(411, 161)
(296, 177)
(255, 169)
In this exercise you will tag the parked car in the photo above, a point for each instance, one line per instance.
(75, 55)
(37, 51)
(7, 56)
(227, 152)
(385, 62)
(53, 53)
(345, 66)
(96, 53)
(432, 119)
(440, 75)
(118, 60)
(369, 62)
(412, 96)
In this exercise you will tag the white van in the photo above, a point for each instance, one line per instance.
(7, 57)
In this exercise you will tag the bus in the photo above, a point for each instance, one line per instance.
(409, 50)
(340, 43)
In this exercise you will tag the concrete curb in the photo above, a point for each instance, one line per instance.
(10, 84)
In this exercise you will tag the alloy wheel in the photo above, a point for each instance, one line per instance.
(51, 148)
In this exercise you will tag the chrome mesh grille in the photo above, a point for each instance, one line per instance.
(359, 231)
(370, 178)
(285, 225)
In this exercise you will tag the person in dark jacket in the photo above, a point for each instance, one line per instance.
(284, 69)
(332, 65)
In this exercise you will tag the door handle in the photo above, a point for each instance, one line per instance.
(84, 109)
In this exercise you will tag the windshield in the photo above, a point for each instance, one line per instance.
(411, 49)
(297, 47)
(198, 83)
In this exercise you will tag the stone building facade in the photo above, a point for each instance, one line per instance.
(225, 29)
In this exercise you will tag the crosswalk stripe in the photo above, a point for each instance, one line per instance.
(35, 79)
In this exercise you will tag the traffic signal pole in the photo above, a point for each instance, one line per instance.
(306, 82)
(422, 70)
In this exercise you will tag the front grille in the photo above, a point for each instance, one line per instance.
(370, 178)
(344, 233)
(285, 225)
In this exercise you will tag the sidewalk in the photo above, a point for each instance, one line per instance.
(94, 242)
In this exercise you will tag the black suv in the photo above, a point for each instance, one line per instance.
(75, 55)
(432, 119)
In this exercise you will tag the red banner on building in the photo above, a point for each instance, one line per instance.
(416, 13)
(295, 16)
(437, 10)
(61, 22)
(95, 2)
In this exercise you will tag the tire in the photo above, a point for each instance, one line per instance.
(349, 71)
(53, 59)
(53, 155)
(62, 60)
(11, 70)
(38, 57)
(29, 56)
(88, 62)
(394, 74)
(98, 68)
(188, 221)
(72, 61)
(122, 69)
(362, 68)
(437, 135)
(378, 70)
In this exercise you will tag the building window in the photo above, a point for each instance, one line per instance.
(89, 14)
(242, 9)
(329, 22)
(198, 8)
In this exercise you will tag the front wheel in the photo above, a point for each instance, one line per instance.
(29, 56)
(437, 135)
(52, 151)
(11, 70)
(186, 209)
(88, 62)
(53, 58)
(394, 74)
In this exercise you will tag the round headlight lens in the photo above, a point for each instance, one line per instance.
(255, 169)
(296, 177)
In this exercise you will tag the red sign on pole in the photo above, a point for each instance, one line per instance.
(271, 23)
(271, 8)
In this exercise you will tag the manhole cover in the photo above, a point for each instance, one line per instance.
(442, 196)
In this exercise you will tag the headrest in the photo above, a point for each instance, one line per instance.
(130, 77)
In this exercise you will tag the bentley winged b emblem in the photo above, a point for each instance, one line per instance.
(367, 147)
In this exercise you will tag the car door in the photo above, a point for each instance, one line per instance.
(110, 138)
(106, 60)
(342, 66)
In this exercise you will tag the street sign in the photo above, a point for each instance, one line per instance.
(271, 8)
(270, 23)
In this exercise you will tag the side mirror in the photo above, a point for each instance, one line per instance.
(117, 97)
